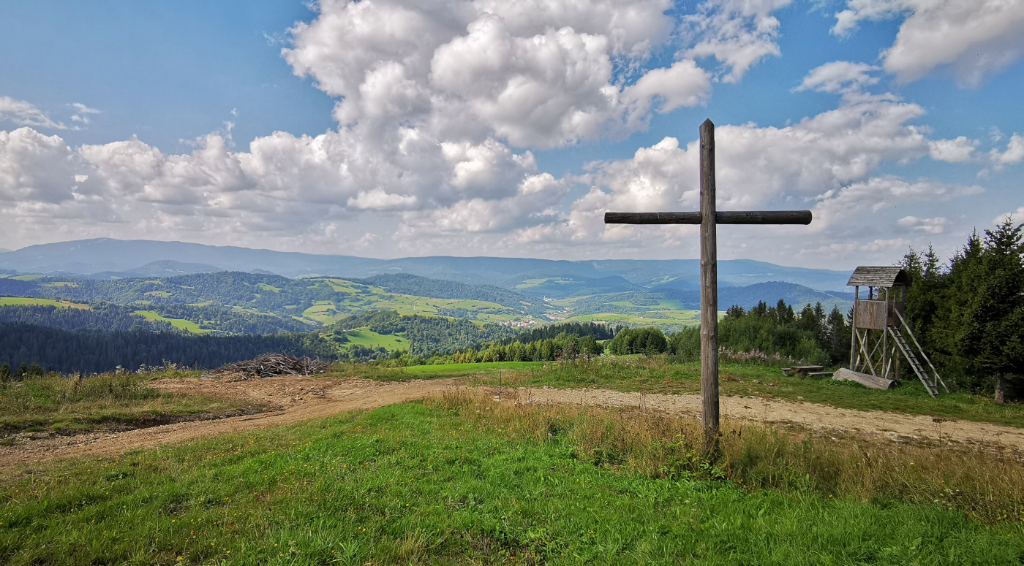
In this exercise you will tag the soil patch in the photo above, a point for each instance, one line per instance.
(297, 398)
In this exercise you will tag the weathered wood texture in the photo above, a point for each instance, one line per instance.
(864, 379)
(725, 217)
(881, 276)
(871, 314)
(708, 285)
(708, 217)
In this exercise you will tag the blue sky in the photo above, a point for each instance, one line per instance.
(394, 128)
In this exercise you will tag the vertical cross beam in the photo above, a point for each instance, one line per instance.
(708, 286)
(708, 217)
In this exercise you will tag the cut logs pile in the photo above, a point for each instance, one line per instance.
(269, 365)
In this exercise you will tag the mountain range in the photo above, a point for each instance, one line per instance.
(116, 259)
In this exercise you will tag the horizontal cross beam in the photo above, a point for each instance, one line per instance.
(727, 217)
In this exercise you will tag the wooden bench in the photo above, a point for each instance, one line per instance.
(804, 371)
(820, 374)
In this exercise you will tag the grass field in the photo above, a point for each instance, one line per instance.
(370, 339)
(360, 298)
(178, 323)
(28, 301)
(668, 320)
(449, 483)
(66, 406)
(657, 375)
(484, 370)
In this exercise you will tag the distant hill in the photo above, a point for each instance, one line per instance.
(415, 285)
(239, 302)
(536, 277)
(769, 292)
(170, 268)
(358, 335)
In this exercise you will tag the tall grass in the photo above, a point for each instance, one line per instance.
(71, 404)
(658, 374)
(987, 486)
(409, 484)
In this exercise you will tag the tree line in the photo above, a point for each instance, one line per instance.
(94, 351)
(108, 316)
(968, 313)
(427, 335)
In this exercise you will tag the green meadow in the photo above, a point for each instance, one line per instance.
(178, 323)
(28, 301)
(370, 339)
(637, 373)
(462, 481)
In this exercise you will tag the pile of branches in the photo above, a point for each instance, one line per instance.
(269, 365)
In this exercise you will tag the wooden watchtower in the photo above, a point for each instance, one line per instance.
(880, 331)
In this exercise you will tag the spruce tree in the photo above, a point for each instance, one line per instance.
(979, 326)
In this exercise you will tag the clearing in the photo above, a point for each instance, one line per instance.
(295, 399)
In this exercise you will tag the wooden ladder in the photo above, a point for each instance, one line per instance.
(930, 379)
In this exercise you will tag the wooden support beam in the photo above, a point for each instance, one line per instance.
(724, 217)
(709, 287)
(708, 217)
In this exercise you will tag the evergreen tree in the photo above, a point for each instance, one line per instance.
(924, 295)
(839, 337)
(979, 328)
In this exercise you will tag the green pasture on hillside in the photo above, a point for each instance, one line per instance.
(178, 323)
(369, 339)
(29, 301)
(327, 312)
(664, 319)
(411, 484)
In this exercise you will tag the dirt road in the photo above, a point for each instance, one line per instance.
(896, 426)
(296, 399)
(292, 398)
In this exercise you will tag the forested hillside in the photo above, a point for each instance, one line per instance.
(440, 289)
(108, 316)
(969, 313)
(424, 335)
(90, 351)
(316, 301)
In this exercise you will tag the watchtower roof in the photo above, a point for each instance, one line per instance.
(869, 276)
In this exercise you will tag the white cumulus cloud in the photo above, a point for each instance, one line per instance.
(935, 225)
(530, 73)
(957, 150)
(1017, 216)
(24, 113)
(737, 33)
(839, 77)
(976, 38)
(1014, 152)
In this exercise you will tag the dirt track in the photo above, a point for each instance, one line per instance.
(299, 398)
(294, 399)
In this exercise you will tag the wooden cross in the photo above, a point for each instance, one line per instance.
(708, 218)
